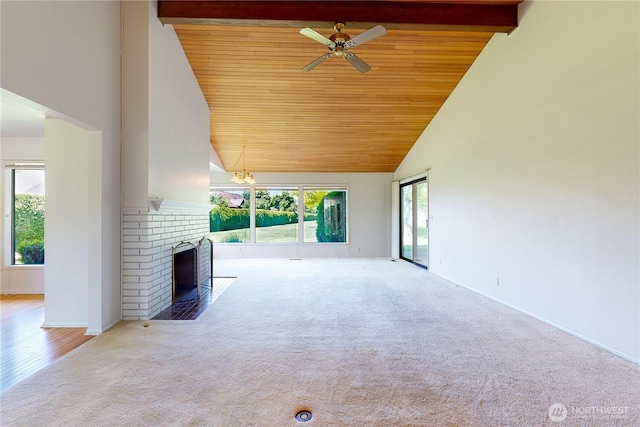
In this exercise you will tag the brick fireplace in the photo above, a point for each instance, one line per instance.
(148, 237)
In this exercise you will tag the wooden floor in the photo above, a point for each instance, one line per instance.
(26, 346)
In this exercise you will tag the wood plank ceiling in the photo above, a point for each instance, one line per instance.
(247, 57)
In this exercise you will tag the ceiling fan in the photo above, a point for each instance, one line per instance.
(339, 44)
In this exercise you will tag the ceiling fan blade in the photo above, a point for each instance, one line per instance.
(354, 60)
(361, 38)
(312, 34)
(316, 62)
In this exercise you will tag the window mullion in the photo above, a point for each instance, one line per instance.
(13, 216)
(300, 215)
(252, 214)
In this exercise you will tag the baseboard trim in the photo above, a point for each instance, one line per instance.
(548, 322)
(98, 331)
(64, 325)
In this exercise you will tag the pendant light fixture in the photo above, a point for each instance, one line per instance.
(242, 177)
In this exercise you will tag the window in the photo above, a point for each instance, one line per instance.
(325, 215)
(27, 214)
(414, 226)
(278, 216)
(229, 221)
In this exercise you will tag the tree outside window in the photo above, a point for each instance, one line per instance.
(331, 217)
(276, 215)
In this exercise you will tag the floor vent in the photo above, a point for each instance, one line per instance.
(304, 416)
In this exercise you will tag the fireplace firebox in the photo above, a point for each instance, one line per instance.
(185, 273)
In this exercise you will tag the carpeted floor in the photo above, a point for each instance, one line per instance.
(356, 342)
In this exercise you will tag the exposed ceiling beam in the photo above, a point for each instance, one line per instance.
(469, 15)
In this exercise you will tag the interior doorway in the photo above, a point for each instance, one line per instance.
(414, 221)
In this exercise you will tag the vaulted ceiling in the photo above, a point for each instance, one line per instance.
(247, 57)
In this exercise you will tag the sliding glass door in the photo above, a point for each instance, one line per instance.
(414, 222)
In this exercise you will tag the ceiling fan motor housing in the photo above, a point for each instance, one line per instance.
(339, 39)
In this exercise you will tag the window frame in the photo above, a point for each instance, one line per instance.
(300, 189)
(329, 189)
(9, 246)
(239, 189)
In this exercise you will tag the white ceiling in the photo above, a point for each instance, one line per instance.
(19, 118)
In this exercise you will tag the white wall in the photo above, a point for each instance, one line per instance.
(25, 279)
(178, 120)
(534, 181)
(135, 101)
(30, 149)
(72, 222)
(66, 56)
(166, 119)
(369, 198)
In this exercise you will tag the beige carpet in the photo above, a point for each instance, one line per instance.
(356, 342)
